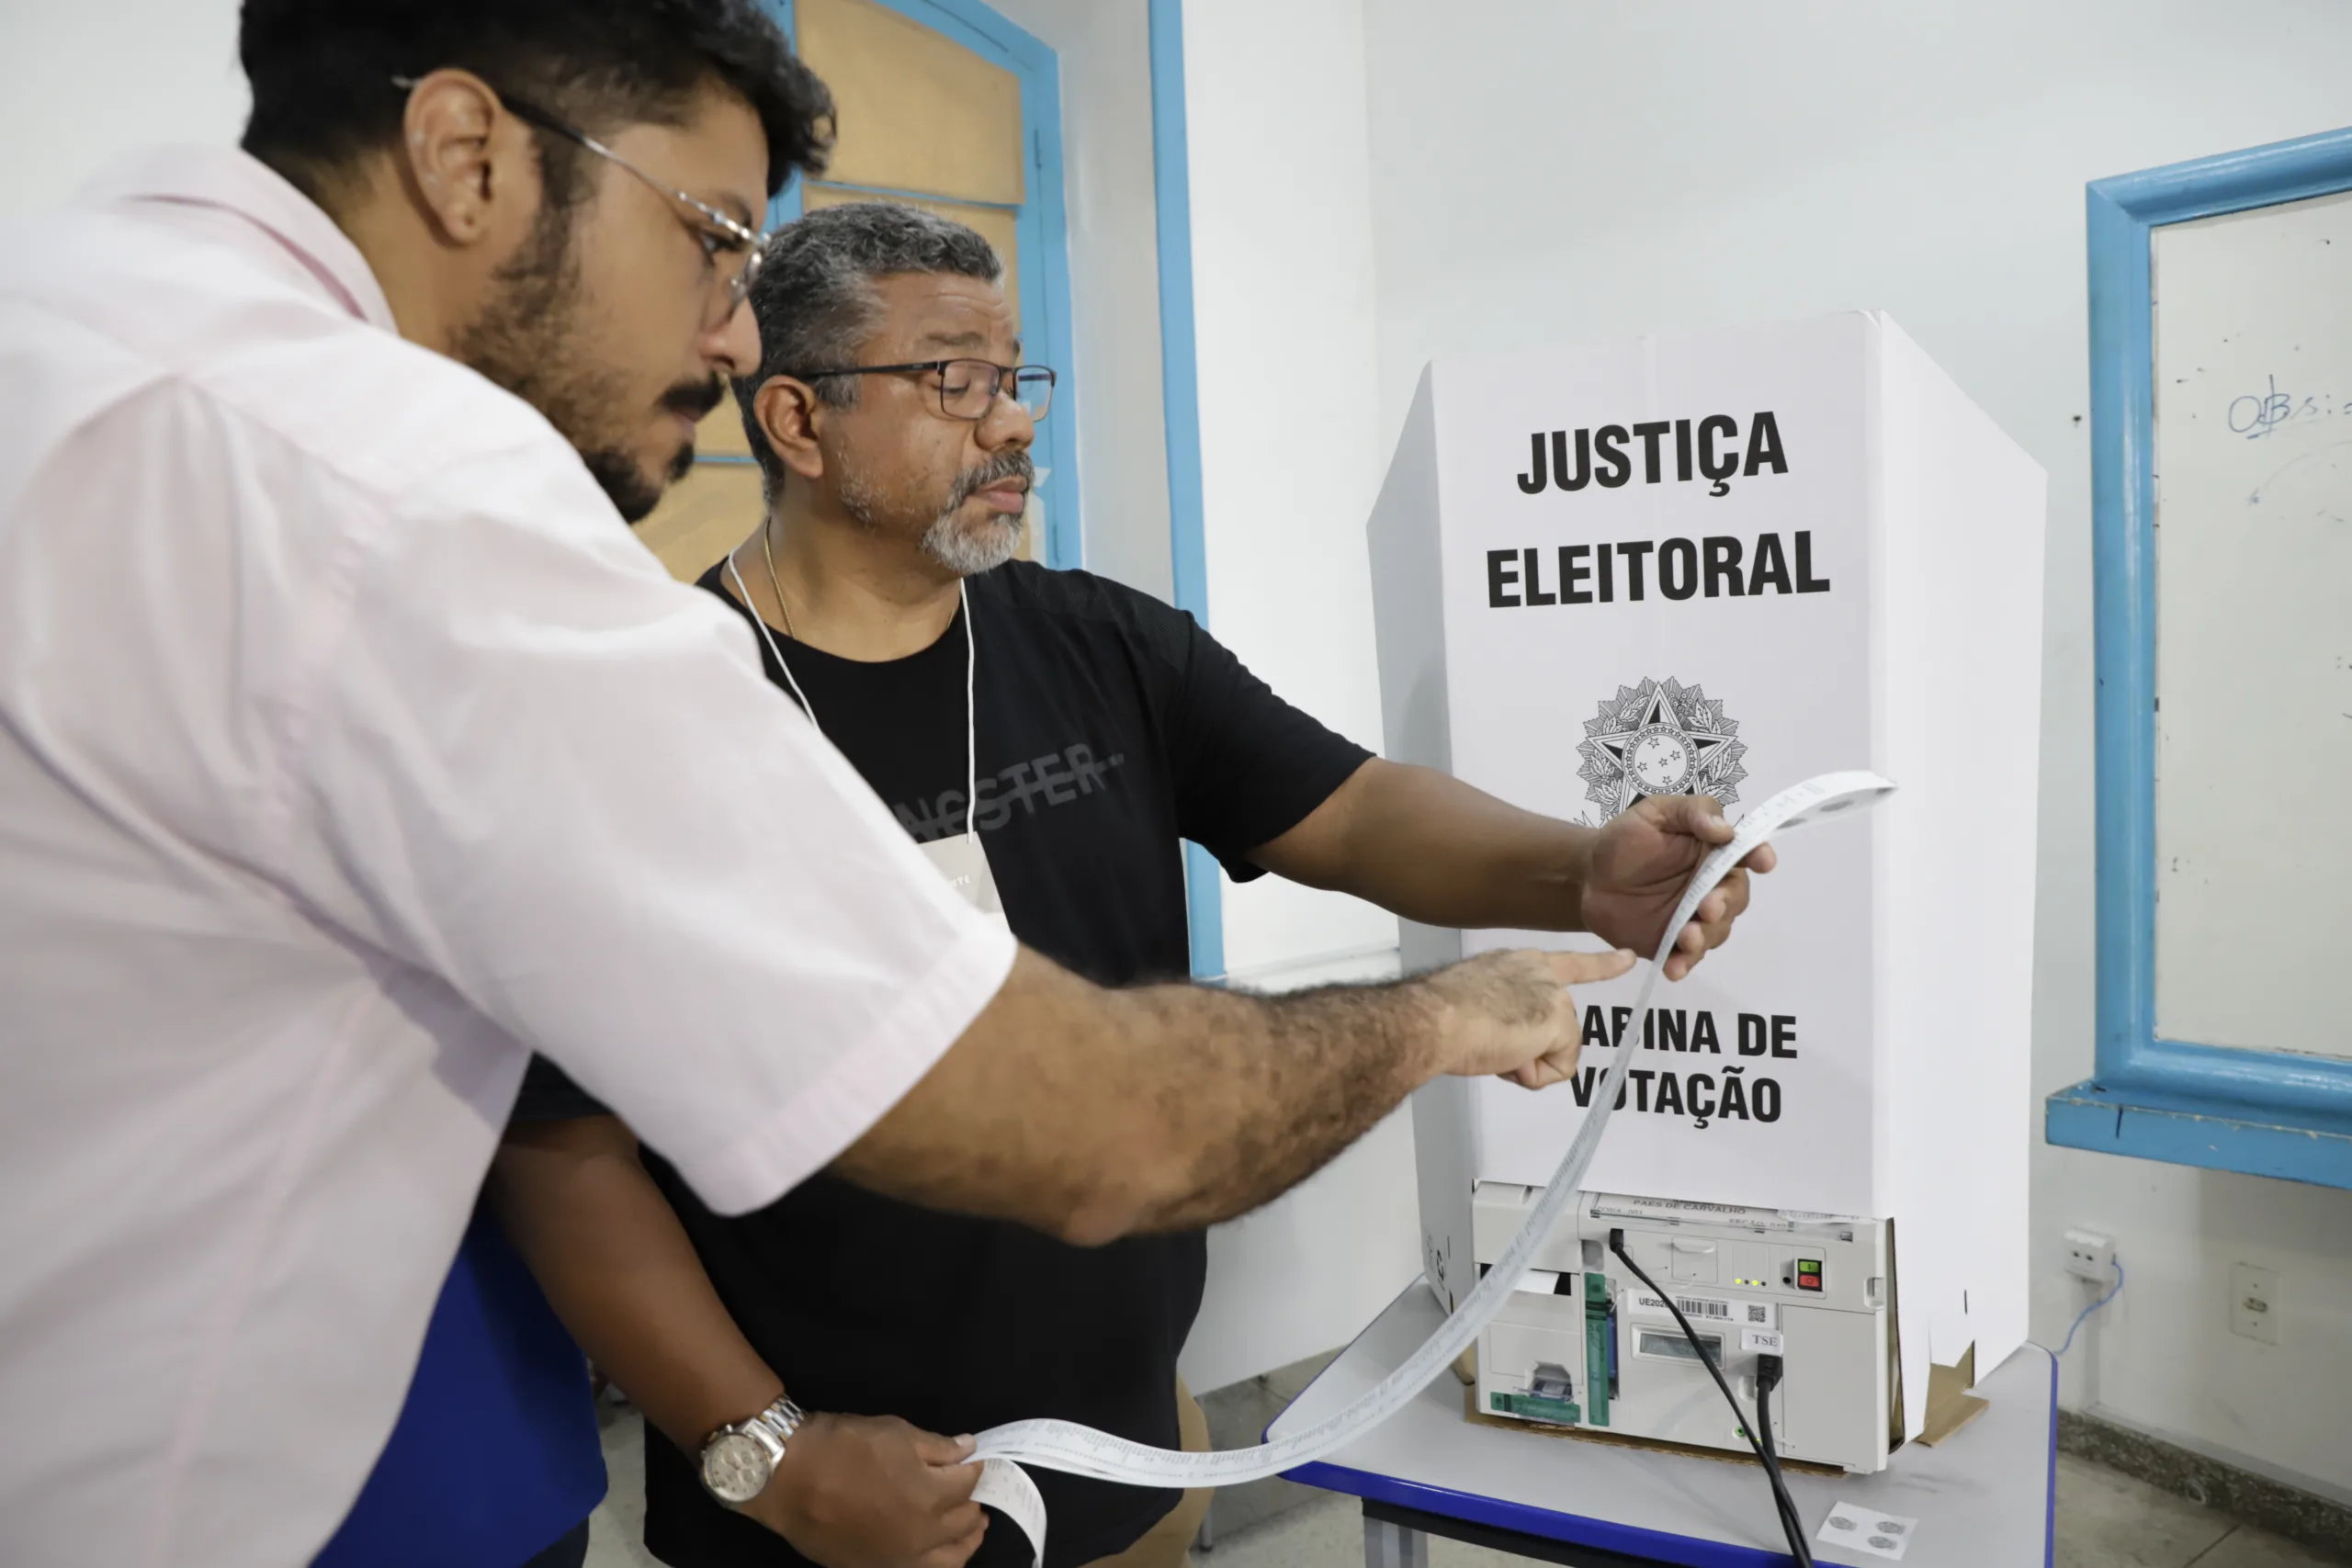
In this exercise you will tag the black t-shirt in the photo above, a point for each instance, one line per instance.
(1109, 727)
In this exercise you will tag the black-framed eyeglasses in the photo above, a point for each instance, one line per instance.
(967, 387)
(723, 239)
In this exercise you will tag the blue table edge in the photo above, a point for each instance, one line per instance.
(1581, 1530)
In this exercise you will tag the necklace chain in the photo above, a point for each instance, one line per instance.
(971, 670)
(775, 584)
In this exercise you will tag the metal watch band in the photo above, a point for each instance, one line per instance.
(740, 1458)
(783, 1419)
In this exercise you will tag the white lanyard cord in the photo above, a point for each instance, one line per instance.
(971, 718)
(971, 670)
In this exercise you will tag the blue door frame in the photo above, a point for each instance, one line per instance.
(1180, 387)
(2266, 1112)
(1041, 222)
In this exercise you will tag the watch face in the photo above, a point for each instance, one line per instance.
(1659, 759)
(735, 1468)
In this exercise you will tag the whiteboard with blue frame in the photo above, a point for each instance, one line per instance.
(2221, 499)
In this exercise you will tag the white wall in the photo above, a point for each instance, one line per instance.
(82, 82)
(1291, 460)
(1104, 48)
(1291, 448)
(1546, 171)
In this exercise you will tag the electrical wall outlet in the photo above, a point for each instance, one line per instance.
(2254, 1303)
(2091, 1256)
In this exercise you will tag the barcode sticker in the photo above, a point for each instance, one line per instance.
(1705, 1309)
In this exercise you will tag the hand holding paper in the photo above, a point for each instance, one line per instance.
(1641, 863)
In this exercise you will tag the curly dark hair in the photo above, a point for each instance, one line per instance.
(321, 72)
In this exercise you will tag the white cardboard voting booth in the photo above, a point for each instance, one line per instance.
(1721, 563)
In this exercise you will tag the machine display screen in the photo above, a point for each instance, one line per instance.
(1674, 1347)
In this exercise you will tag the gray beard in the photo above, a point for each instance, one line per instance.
(968, 552)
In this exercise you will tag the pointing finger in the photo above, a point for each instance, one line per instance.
(1555, 1067)
(1583, 968)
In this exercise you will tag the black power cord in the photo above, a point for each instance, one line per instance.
(1768, 1377)
(1791, 1526)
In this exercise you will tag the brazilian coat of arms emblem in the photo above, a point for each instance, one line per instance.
(1660, 738)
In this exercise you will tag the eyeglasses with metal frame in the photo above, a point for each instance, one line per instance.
(718, 233)
(967, 387)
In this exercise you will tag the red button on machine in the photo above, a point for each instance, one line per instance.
(1808, 1273)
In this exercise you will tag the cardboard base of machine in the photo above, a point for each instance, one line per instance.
(1476, 1416)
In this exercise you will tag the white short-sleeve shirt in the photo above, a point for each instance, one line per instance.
(351, 748)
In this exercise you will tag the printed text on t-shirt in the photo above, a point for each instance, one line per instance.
(1057, 778)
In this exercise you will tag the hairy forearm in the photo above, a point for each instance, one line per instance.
(619, 1271)
(1277, 1092)
(1093, 1113)
(1435, 850)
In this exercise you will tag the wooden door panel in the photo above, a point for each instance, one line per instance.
(720, 434)
(705, 516)
(915, 111)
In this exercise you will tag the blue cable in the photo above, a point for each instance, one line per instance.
(2111, 1295)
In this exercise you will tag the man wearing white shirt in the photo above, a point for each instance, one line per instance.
(351, 749)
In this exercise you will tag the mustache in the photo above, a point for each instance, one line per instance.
(696, 399)
(995, 471)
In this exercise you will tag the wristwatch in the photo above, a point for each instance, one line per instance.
(739, 1459)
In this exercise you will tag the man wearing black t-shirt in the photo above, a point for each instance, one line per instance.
(1084, 729)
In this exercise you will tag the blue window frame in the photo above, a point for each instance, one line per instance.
(1180, 382)
(1041, 224)
(2269, 1113)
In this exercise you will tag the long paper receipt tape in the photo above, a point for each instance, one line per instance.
(1082, 1450)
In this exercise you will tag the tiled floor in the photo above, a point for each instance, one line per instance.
(615, 1531)
(2105, 1520)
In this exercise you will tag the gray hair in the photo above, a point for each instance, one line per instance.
(814, 301)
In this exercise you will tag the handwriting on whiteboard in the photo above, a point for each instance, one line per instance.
(2257, 414)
